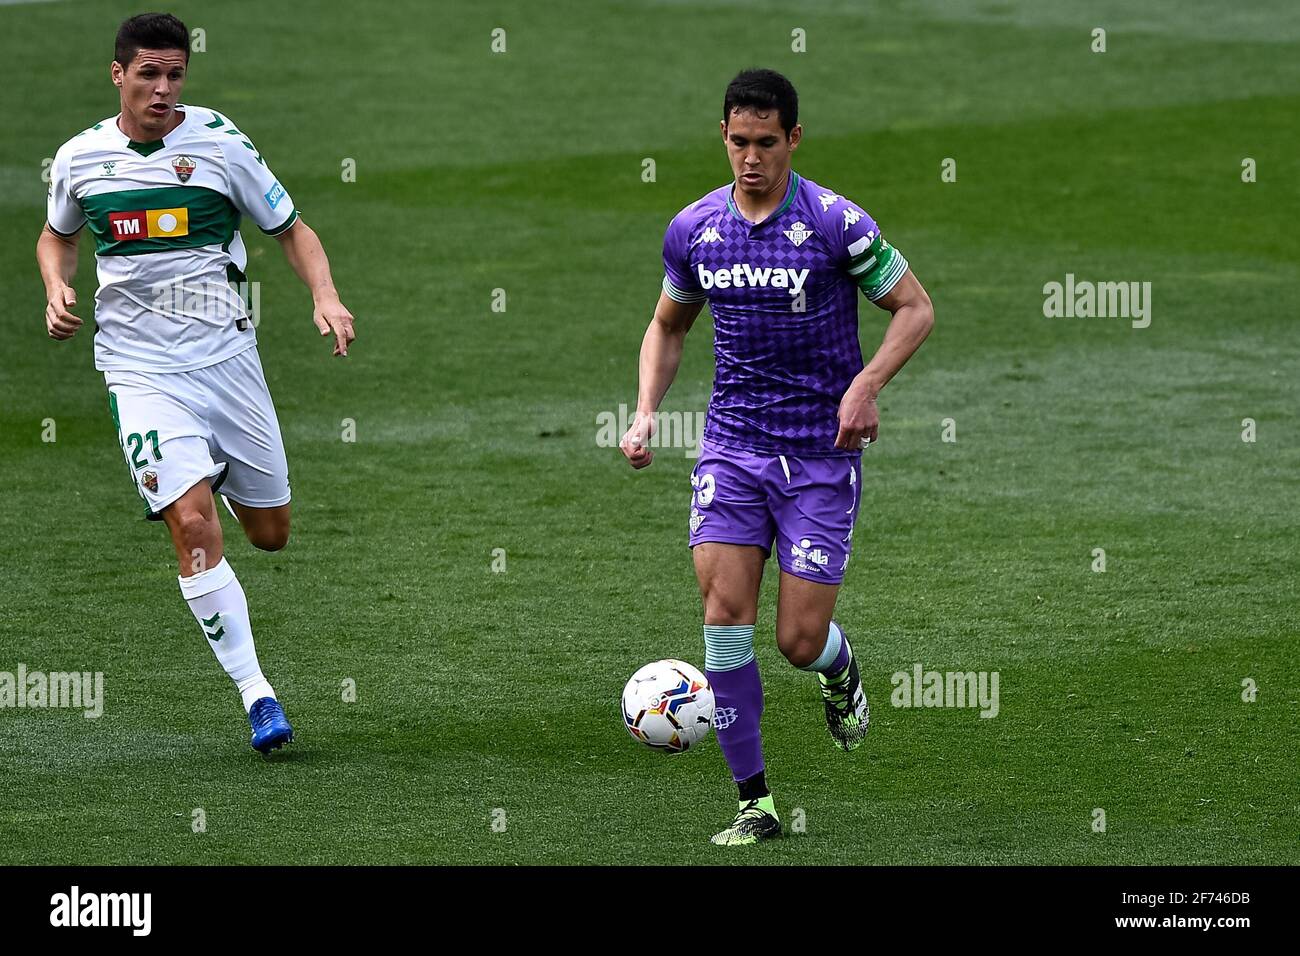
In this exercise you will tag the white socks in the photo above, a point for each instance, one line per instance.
(219, 605)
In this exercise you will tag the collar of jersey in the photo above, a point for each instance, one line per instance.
(151, 147)
(792, 188)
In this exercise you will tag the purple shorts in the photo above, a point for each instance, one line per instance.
(807, 505)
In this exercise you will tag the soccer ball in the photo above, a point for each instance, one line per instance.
(668, 705)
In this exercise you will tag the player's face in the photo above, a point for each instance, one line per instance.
(759, 149)
(151, 85)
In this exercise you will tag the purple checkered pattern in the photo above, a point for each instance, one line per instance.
(783, 360)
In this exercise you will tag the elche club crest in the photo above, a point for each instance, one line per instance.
(184, 167)
(150, 480)
(798, 233)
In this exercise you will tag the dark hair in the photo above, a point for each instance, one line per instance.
(763, 90)
(150, 31)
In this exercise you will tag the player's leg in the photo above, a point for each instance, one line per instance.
(812, 641)
(266, 528)
(192, 522)
(815, 502)
(246, 432)
(729, 576)
(731, 535)
(164, 439)
(804, 629)
(217, 601)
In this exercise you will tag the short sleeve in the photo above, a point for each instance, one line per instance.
(863, 252)
(680, 284)
(254, 188)
(62, 211)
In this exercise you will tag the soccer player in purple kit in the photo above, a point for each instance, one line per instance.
(779, 259)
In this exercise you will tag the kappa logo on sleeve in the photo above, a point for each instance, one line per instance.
(149, 224)
(829, 199)
(274, 195)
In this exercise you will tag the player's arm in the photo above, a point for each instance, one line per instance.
(912, 318)
(258, 194)
(56, 250)
(303, 249)
(661, 354)
(57, 258)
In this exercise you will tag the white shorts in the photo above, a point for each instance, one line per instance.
(216, 423)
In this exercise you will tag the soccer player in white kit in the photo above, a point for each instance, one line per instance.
(163, 187)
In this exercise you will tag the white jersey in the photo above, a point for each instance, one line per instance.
(165, 216)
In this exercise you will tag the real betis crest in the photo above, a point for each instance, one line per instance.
(184, 167)
(798, 233)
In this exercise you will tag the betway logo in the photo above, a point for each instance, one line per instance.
(740, 276)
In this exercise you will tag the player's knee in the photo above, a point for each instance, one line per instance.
(192, 527)
(269, 538)
(726, 610)
(800, 646)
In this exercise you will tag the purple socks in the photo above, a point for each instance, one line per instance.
(737, 694)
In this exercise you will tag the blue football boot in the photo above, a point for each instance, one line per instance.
(271, 729)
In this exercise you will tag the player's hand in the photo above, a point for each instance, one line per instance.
(59, 322)
(859, 418)
(636, 443)
(331, 316)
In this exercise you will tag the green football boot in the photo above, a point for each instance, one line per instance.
(756, 821)
(847, 712)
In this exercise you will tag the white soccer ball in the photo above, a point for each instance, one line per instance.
(668, 705)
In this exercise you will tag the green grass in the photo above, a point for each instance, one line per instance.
(476, 431)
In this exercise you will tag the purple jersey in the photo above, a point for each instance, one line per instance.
(783, 294)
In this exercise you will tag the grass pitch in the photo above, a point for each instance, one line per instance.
(485, 726)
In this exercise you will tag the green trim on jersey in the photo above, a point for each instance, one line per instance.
(791, 192)
(681, 295)
(146, 149)
(867, 258)
(213, 218)
(237, 279)
(284, 226)
(789, 196)
(877, 268)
